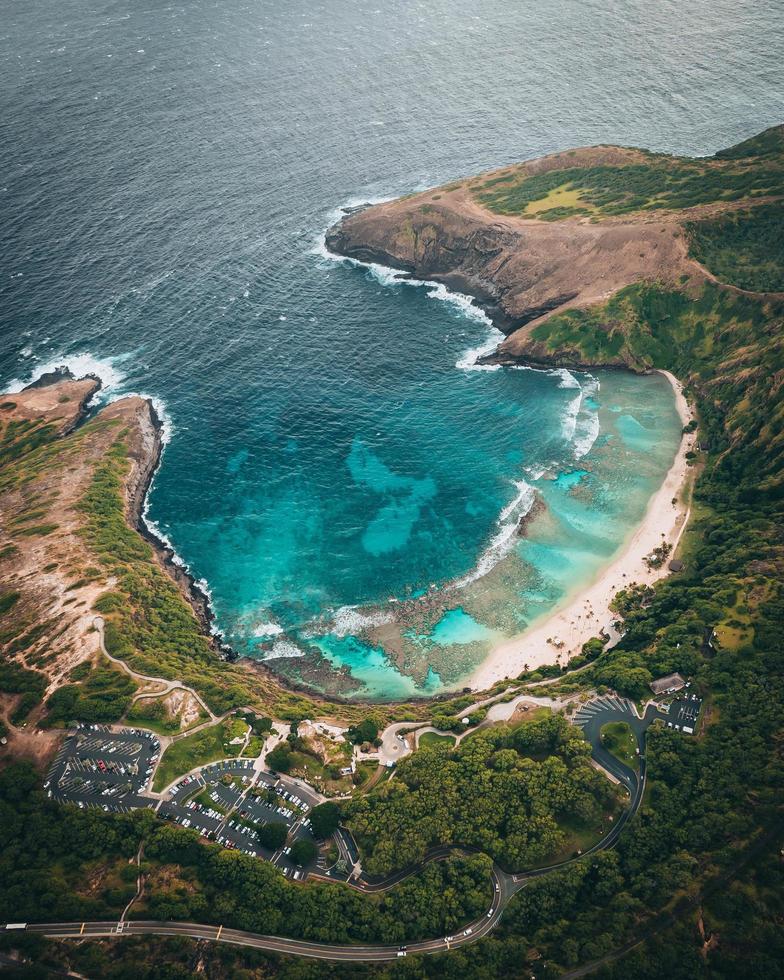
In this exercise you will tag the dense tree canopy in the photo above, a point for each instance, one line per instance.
(503, 791)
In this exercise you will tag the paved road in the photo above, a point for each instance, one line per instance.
(591, 716)
(278, 944)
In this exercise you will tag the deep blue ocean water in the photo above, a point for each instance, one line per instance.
(167, 170)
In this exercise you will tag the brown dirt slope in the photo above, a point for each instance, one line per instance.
(519, 268)
(43, 557)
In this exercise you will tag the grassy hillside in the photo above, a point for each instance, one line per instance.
(728, 348)
(653, 182)
(744, 248)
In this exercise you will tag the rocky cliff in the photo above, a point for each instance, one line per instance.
(495, 245)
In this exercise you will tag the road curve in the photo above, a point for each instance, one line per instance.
(505, 886)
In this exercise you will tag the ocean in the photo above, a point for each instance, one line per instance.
(344, 480)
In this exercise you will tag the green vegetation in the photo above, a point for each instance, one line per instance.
(653, 182)
(148, 624)
(433, 738)
(744, 248)
(365, 731)
(503, 791)
(63, 864)
(710, 802)
(103, 695)
(279, 759)
(15, 679)
(618, 738)
(303, 851)
(197, 749)
(7, 601)
(324, 820)
(273, 835)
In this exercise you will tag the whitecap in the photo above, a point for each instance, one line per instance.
(587, 424)
(267, 629)
(79, 365)
(587, 434)
(283, 648)
(569, 417)
(349, 620)
(567, 379)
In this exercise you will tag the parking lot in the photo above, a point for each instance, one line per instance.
(229, 802)
(682, 713)
(101, 768)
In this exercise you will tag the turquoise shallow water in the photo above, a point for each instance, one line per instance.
(168, 170)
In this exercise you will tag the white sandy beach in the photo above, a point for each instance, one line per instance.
(587, 612)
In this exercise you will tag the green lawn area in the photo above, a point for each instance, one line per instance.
(195, 750)
(618, 738)
(254, 747)
(580, 836)
(433, 738)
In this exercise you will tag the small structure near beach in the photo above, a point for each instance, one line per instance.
(668, 684)
(676, 565)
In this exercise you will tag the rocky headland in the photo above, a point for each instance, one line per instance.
(525, 258)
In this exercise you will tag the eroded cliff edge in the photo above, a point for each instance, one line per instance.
(577, 244)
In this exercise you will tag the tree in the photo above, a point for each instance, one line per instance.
(365, 731)
(303, 851)
(279, 759)
(324, 820)
(273, 835)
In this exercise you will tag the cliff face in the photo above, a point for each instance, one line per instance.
(615, 217)
(519, 269)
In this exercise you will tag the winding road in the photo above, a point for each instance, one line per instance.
(591, 718)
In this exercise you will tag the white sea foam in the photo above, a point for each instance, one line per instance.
(567, 379)
(587, 434)
(79, 365)
(569, 417)
(350, 620)
(161, 411)
(587, 424)
(320, 245)
(283, 648)
(502, 542)
(267, 629)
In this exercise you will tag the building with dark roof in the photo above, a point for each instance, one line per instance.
(668, 684)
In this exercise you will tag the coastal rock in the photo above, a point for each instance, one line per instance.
(519, 269)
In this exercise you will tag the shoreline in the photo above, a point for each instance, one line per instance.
(570, 624)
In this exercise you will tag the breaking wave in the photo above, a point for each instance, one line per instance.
(507, 524)
(350, 620)
(80, 365)
(283, 648)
